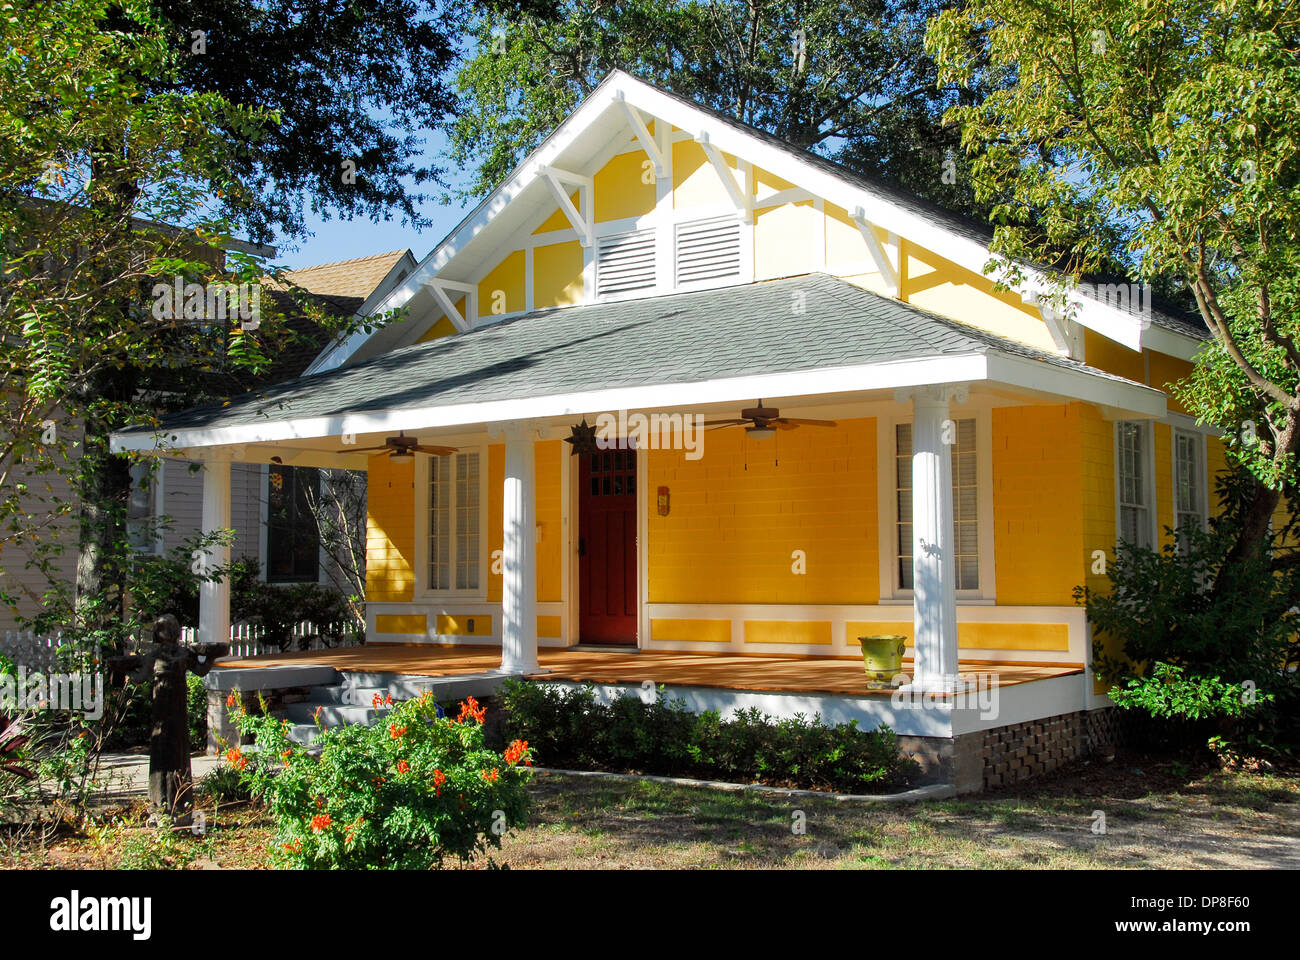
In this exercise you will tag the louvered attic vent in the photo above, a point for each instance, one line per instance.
(707, 250)
(625, 262)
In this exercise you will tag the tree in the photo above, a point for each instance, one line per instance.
(1162, 135)
(851, 82)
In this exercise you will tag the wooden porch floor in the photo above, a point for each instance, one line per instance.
(838, 676)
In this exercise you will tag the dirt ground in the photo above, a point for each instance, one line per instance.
(1134, 812)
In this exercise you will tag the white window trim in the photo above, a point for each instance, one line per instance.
(1149, 456)
(157, 546)
(1203, 481)
(887, 508)
(264, 539)
(422, 588)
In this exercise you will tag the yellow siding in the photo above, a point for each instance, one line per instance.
(443, 328)
(785, 240)
(1053, 637)
(621, 190)
(812, 632)
(933, 283)
(1105, 354)
(469, 625)
(1098, 450)
(496, 516)
(557, 220)
(390, 531)
(1038, 531)
(1164, 478)
(502, 290)
(695, 182)
(550, 549)
(1163, 371)
(691, 631)
(557, 275)
(401, 623)
(549, 627)
(740, 516)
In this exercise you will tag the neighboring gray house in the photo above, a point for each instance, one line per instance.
(269, 509)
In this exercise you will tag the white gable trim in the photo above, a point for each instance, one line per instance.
(634, 97)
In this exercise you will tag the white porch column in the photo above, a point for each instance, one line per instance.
(519, 556)
(214, 597)
(934, 595)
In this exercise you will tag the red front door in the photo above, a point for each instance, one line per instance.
(607, 547)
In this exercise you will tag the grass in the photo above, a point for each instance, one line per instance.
(1157, 817)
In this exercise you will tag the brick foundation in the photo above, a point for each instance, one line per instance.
(1001, 756)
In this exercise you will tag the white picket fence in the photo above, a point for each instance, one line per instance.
(26, 648)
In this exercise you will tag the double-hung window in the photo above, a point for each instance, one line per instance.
(454, 527)
(1134, 491)
(965, 504)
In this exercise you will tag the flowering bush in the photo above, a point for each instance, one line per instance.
(403, 794)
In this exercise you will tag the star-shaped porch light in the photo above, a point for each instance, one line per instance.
(582, 438)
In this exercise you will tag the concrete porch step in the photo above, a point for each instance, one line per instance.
(332, 714)
(347, 696)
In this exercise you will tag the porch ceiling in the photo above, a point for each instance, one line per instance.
(805, 336)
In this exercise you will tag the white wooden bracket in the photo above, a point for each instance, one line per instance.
(643, 137)
(739, 197)
(887, 261)
(555, 179)
(442, 291)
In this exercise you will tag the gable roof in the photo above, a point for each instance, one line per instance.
(600, 119)
(726, 335)
(346, 284)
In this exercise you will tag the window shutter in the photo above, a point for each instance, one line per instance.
(707, 250)
(625, 262)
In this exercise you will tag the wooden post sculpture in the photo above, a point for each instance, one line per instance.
(170, 774)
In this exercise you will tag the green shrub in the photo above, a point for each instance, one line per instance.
(570, 729)
(403, 794)
(196, 711)
(1202, 640)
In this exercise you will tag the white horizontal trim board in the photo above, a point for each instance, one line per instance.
(839, 615)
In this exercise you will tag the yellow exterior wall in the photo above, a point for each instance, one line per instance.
(785, 240)
(1054, 637)
(390, 530)
(557, 275)
(690, 631)
(443, 328)
(1105, 354)
(621, 189)
(815, 633)
(467, 625)
(550, 494)
(695, 182)
(933, 283)
(557, 220)
(738, 515)
(401, 623)
(506, 278)
(1038, 536)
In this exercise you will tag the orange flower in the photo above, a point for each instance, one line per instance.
(489, 777)
(470, 708)
(403, 766)
(379, 782)
(232, 699)
(439, 778)
(320, 822)
(295, 847)
(518, 751)
(396, 732)
(385, 701)
(235, 757)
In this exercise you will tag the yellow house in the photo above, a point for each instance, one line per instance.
(698, 408)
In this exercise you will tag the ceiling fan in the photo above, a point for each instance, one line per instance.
(761, 422)
(403, 448)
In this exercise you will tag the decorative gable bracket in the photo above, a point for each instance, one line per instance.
(442, 291)
(886, 257)
(642, 134)
(555, 178)
(738, 194)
